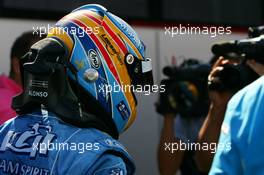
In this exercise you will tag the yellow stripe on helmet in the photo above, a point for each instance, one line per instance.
(59, 33)
(124, 37)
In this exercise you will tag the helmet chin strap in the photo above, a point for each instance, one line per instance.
(46, 83)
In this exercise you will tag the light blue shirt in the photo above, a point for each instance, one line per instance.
(243, 130)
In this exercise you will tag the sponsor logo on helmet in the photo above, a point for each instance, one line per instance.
(131, 34)
(123, 110)
(94, 59)
(38, 94)
(111, 49)
(79, 64)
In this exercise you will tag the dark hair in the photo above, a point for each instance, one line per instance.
(23, 43)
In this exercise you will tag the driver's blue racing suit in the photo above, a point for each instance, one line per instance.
(41, 144)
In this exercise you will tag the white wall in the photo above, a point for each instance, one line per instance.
(142, 138)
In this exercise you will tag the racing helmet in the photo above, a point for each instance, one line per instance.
(108, 57)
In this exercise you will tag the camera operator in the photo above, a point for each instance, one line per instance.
(242, 128)
(249, 48)
(180, 125)
(210, 130)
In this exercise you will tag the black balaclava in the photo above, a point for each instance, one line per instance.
(46, 83)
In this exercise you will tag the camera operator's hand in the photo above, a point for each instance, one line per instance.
(218, 98)
(218, 67)
(167, 105)
(257, 67)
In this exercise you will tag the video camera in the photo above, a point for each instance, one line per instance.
(185, 89)
(254, 32)
(232, 77)
(252, 48)
(187, 85)
(236, 76)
